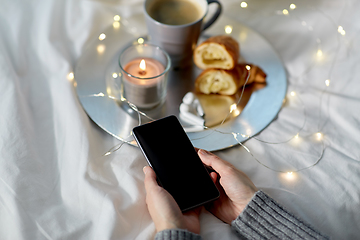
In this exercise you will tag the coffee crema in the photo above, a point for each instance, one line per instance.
(175, 12)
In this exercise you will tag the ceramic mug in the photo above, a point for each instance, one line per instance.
(175, 25)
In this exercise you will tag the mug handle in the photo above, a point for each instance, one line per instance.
(215, 16)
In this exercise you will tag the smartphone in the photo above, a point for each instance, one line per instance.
(178, 168)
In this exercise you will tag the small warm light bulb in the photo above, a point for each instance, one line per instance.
(102, 36)
(245, 136)
(248, 67)
(236, 112)
(319, 135)
(228, 29)
(117, 18)
(140, 40)
(289, 176)
(319, 53)
(297, 135)
(108, 153)
(142, 65)
(70, 76)
(101, 48)
(327, 82)
(292, 6)
(285, 12)
(116, 25)
(233, 107)
(114, 75)
(341, 30)
(292, 93)
(243, 4)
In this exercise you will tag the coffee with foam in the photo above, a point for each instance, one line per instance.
(175, 12)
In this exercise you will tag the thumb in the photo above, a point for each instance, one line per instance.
(150, 179)
(213, 161)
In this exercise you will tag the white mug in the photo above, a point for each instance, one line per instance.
(179, 41)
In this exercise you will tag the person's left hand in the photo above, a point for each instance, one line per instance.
(163, 209)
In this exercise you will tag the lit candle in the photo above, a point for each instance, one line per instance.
(143, 82)
(144, 68)
(144, 75)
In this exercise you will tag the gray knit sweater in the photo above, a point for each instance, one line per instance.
(262, 218)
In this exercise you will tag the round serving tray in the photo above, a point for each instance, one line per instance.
(97, 85)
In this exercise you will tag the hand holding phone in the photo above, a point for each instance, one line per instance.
(164, 210)
(177, 165)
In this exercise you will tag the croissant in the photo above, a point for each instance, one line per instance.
(217, 52)
(227, 82)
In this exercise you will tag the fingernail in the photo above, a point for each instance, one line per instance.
(144, 170)
(204, 152)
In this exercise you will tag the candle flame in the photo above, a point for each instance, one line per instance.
(142, 65)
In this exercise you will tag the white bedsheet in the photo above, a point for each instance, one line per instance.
(54, 181)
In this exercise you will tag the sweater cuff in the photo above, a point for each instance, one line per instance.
(263, 218)
(176, 234)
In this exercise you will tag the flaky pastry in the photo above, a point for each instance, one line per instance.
(217, 52)
(227, 82)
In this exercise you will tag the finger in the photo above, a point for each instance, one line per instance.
(213, 161)
(213, 176)
(150, 179)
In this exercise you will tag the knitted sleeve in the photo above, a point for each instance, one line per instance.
(263, 218)
(176, 234)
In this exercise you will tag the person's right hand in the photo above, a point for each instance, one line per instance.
(236, 189)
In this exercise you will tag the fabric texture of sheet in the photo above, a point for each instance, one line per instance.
(55, 182)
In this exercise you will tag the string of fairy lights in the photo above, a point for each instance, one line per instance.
(293, 94)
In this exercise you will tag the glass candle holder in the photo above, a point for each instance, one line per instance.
(144, 71)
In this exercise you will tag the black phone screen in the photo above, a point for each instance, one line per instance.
(176, 163)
